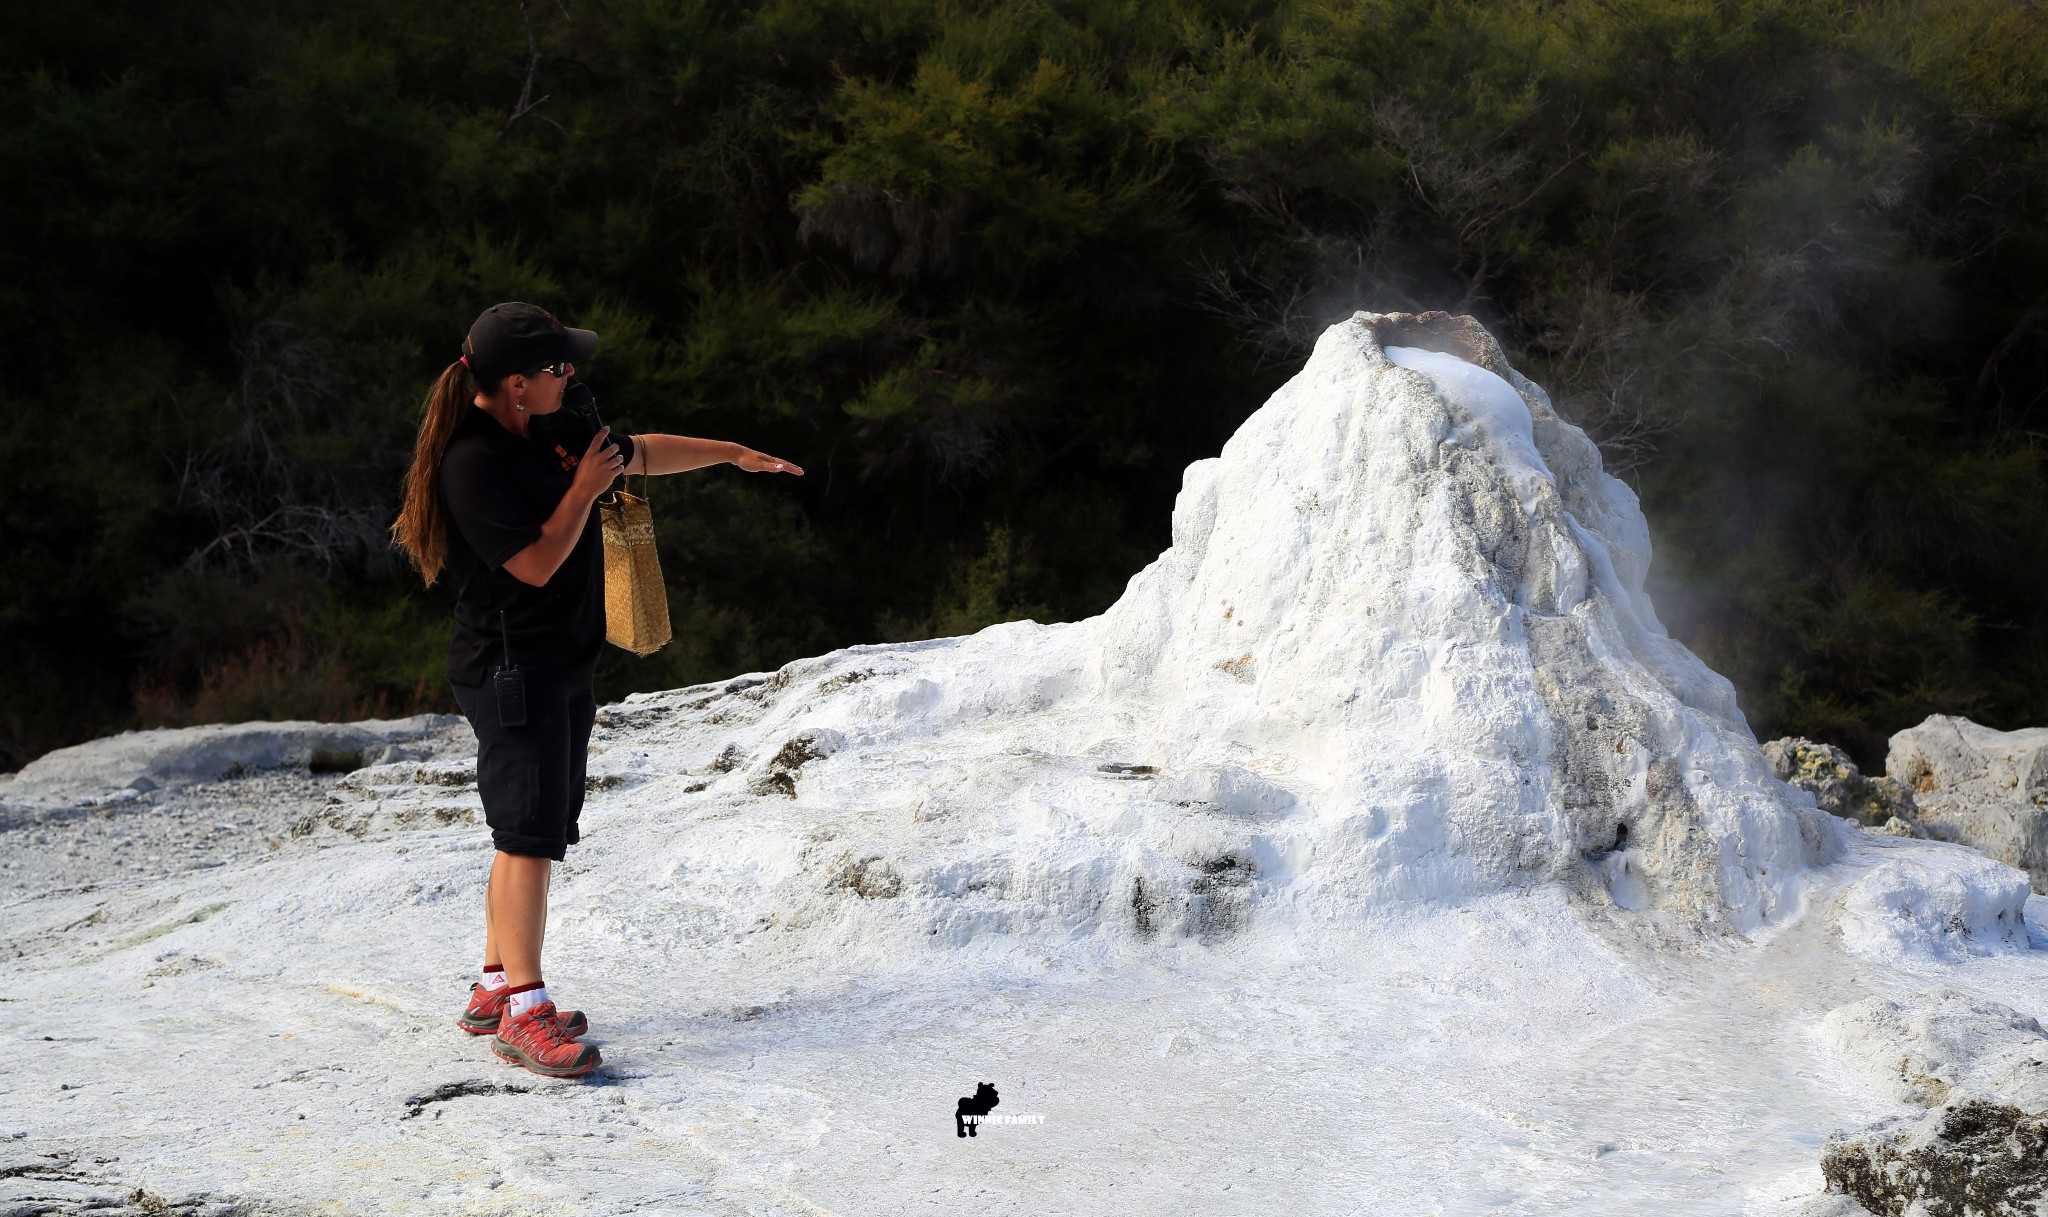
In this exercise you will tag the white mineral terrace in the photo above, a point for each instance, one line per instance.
(1376, 852)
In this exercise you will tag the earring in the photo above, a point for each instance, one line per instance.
(520, 405)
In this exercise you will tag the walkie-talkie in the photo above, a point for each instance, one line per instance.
(509, 683)
(581, 399)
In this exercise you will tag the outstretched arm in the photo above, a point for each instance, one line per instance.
(658, 454)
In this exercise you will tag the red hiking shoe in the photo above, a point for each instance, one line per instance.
(487, 1008)
(535, 1040)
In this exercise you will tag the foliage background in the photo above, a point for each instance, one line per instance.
(994, 273)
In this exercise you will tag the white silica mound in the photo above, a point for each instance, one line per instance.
(1406, 575)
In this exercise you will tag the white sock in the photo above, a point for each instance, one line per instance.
(494, 979)
(519, 1003)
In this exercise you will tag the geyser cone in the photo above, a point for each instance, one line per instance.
(1407, 575)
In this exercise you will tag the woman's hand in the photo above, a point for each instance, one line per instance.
(538, 562)
(761, 462)
(599, 467)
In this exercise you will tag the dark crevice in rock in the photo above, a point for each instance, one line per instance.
(1143, 905)
(1127, 769)
(1221, 895)
(457, 1090)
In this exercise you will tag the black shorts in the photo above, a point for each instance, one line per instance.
(531, 777)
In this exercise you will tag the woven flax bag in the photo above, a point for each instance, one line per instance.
(635, 601)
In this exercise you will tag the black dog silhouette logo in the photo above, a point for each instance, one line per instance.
(969, 1111)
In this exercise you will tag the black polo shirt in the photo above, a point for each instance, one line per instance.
(497, 489)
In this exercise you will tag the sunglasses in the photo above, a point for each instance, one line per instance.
(559, 368)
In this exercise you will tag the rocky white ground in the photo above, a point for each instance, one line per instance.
(1377, 852)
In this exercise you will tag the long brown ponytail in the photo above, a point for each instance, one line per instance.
(419, 529)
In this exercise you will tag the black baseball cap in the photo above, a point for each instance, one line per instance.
(508, 338)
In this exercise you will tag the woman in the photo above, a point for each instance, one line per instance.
(500, 490)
